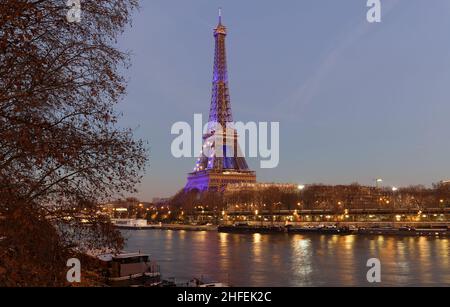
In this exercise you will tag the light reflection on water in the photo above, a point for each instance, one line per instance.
(294, 260)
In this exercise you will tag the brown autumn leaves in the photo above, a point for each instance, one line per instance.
(61, 152)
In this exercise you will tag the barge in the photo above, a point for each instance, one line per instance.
(130, 270)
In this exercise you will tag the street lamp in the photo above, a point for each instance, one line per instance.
(300, 188)
(378, 182)
(394, 190)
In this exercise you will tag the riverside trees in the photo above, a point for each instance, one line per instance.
(61, 152)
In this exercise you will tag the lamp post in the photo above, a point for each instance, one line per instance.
(300, 188)
(394, 195)
(378, 182)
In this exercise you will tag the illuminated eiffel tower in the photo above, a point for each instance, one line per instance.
(216, 168)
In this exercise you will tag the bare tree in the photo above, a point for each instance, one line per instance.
(61, 152)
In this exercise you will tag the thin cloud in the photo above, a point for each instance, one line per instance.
(305, 93)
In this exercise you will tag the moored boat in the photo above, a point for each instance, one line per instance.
(199, 283)
(406, 231)
(246, 228)
(130, 269)
(301, 229)
(335, 230)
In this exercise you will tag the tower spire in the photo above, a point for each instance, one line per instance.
(220, 29)
(220, 111)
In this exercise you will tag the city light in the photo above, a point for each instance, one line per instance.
(378, 182)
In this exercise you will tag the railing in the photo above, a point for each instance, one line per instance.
(334, 212)
(355, 224)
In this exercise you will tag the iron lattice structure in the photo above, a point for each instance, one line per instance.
(223, 162)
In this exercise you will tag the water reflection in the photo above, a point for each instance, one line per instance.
(301, 255)
(294, 260)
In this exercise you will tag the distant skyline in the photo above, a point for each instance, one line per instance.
(355, 101)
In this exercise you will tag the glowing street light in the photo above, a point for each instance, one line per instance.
(394, 189)
(378, 182)
(301, 187)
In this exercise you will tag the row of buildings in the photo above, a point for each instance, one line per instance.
(270, 202)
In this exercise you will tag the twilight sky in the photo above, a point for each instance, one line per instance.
(355, 101)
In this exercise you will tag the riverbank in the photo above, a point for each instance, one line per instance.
(185, 227)
(361, 228)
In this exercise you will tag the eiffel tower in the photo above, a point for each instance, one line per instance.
(216, 168)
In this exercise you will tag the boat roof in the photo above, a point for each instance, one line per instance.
(110, 257)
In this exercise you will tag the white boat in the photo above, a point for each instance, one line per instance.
(130, 223)
(214, 285)
(199, 283)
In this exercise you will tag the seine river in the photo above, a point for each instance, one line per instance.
(294, 260)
